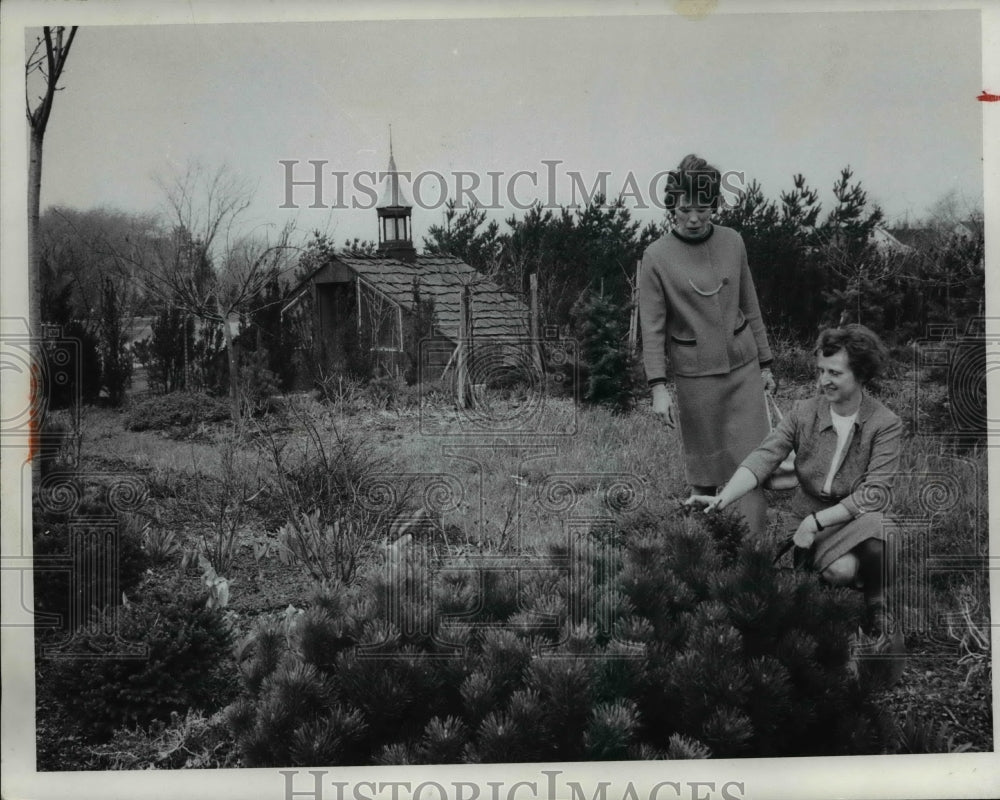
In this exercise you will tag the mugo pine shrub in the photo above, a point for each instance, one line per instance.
(186, 664)
(638, 642)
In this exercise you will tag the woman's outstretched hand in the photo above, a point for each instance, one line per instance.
(708, 502)
(805, 534)
(770, 384)
(663, 405)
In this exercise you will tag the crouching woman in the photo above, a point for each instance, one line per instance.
(847, 451)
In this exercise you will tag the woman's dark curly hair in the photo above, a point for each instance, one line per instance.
(866, 354)
(694, 178)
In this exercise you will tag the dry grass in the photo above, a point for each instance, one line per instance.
(105, 437)
(519, 491)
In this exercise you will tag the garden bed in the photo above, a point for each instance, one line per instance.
(518, 497)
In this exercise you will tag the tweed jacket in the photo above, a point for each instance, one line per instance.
(698, 305)
(868, 464)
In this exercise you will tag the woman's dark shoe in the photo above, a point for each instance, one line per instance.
(878, 620)
(882, 653)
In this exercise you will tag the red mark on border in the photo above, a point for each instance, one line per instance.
(987, 97)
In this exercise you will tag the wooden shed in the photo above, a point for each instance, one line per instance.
(402, 311)
(382, 308)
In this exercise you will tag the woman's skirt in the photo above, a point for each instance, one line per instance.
(723, 418)
(836, 540)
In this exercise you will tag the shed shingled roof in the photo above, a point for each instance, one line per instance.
(495, 313)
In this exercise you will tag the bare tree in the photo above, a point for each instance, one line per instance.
(953, 210)
(46, 61)
(953, 252)
(82, 248)
(248, 266)
(208, 267)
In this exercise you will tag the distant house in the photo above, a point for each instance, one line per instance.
(381, 306)
(886, 241)
(925, 239)
(883, 240)
(915, 241)
(140, 329)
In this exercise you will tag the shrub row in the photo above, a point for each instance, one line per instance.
(669, 643)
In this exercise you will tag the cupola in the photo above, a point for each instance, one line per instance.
(395, 238)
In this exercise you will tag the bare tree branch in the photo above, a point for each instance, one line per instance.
(204, 265)
(55, 60)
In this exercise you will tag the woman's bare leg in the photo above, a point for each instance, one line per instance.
(843, 571)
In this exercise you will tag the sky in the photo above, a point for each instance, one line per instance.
(892, 94)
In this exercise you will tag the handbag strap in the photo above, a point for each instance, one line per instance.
(770, 404)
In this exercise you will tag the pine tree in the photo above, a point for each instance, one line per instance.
(271, 334)
(780, 240)
(602, 329)
(116, 360)
(170, 349)
(464, 236)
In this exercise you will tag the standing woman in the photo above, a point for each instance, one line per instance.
(699, 308)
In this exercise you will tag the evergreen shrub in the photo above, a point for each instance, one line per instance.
(680, 642)
(258, 383)
(272, 338)
(57, 560)
(187, 664)
(116, 355)
(167, 352)
(611, 377)
(177, 409)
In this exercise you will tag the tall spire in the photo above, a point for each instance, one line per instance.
(392, 160)
(392, 194)
(394, 237)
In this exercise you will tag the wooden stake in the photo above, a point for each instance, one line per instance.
(633, 324)
(451, 358)
(464, 347)
(536, 353)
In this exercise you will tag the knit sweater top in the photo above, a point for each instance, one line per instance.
(698, 306)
